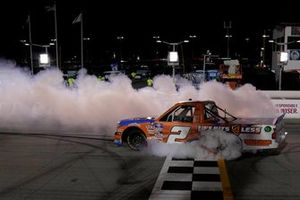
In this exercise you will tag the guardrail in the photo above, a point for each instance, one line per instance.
(287, 102)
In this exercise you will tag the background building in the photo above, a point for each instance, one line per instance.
(286, 38)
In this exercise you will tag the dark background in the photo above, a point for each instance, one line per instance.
(138, 22)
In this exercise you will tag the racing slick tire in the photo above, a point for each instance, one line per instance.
(229, 147)
(136, 140)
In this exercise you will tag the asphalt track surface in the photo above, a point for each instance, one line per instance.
(53, 166)
(269, 177)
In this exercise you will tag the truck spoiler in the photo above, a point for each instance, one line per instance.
(265, 121)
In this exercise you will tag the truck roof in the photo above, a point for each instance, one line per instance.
(198, 101)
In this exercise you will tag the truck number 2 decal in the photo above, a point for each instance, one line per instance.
(178, 132)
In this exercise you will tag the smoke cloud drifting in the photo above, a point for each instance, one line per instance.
(43, 103)
(211, 145)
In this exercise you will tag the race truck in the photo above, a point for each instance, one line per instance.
(187, 121)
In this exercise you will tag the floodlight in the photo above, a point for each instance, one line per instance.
(44, 58)
(284, 56)
(173, 56)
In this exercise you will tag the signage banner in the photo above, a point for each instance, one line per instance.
(291, 107)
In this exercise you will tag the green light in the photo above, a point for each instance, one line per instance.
(268, 129)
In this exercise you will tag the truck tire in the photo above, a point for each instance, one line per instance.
(136, 140)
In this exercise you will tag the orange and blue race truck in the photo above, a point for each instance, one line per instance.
(187, 121)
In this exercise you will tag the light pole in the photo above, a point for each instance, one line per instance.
(193, 37)
(53, 8)
(283, 57)
(263, 49)
(86, 39)
(228, 36)
(228, 48)
(46, 46)
(156, 53)
(247, 52)
(30, 43)
(173, 55)
(208, 54)
(120, 38)
(283, 60)
(56, 38)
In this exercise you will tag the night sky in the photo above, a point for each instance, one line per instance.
(138, 21)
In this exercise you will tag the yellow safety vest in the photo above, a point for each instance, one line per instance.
(133, 74)
(101, 78)
(71, 81)
(149, 82)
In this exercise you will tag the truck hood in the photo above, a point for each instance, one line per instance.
(126, 122)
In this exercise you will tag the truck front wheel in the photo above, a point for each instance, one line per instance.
(136, 140)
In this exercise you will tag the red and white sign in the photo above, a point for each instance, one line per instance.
(291, 107)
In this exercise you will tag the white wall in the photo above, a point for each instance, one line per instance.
(287, 102)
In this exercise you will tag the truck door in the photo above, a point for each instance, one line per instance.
(178, 124)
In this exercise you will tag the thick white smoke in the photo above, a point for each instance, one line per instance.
(211, 145)
(43, 102)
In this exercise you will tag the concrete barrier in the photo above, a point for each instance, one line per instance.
(281, 94)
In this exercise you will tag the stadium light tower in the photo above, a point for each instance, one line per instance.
(228, 36)
(173, 58)
(44, 57)
(283, 57)
(205, 56)
(120, 38)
